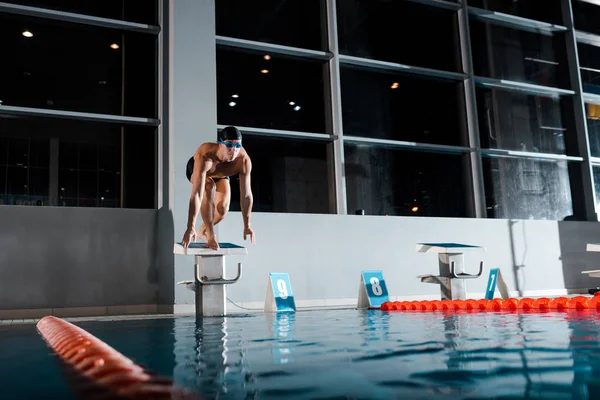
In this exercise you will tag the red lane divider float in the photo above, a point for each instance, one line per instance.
(511, 304)
(103, 366)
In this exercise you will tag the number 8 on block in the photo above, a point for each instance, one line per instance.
(372, 292)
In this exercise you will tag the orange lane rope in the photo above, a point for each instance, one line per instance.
(511, 304)
(104, 366)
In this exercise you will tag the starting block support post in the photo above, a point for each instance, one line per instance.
(452, 276)
(209, 282)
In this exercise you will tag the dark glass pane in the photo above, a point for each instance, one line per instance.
(17, 180)
(67, 187)
(550, 11)
(593, 127)
(68, 156)
(589, 66)
(39, 181)
(67, 66)
(504, 53)
(596, 173)
(3, 189)
(399, 31)
(279, 93)
(39, 153)
(287, 176)
(128, 10)
(3, 152)
(109, 189)
(18, 152)
(517, 121)
(88, 188)
(139, 168)
(384, 181)
(295, 23)
(394, 106)
(108, 158)
(89, 160)
(586, 16)
(88, 157)
(527, 189)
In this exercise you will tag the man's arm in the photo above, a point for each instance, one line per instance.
(198, 184)
(246, 199)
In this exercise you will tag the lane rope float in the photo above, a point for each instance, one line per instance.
(103, 366)
(510, 304)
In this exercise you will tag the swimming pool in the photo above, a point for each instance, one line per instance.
(367, 354)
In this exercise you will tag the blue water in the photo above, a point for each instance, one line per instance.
(337, 354)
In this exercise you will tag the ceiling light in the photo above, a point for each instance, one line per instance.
(235, 96)
(267, 57)
(114, 46)
(292, 103)
(26, 33)
(297, 108)
(395, 85)
(265, 71)
(415, 209)
(232, 104)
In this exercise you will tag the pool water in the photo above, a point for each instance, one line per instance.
(337, 354)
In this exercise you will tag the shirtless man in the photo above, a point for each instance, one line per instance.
(209, 171)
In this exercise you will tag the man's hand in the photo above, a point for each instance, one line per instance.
(249, 232)
(189, 236)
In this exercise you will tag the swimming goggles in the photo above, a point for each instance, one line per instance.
(229, 145)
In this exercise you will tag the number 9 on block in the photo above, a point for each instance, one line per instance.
(280, 296)
(372, 292)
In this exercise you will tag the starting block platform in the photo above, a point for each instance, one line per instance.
(451, 267)
(595, 273)
(209, 275)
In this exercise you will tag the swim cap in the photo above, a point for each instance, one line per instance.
(230, 133)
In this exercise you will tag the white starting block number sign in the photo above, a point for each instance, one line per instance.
(372, 291)
(280, 296)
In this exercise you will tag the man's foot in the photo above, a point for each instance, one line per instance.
(202, 233)
(212, 243)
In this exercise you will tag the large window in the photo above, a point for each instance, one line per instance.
(550, 11)
(145, 12)
(287, 176)
(70, 163)
(589, 66)
(99, 83)
(586, 14)
(382, 181)
(527, 189)
(520, 55)
(524, 122)
(387, 105)
(68, 66)
(289, 23)
(269, 91)
(278, 100)
(403, 32)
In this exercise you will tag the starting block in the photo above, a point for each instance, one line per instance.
(280, 296)
(451, 264)
(496, 279)
(372, 292)
(209, 275)
(594, 273)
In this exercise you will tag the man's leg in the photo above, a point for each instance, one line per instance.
(222, 200)
(207, 208)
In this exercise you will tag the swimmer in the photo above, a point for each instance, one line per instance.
(209, 170)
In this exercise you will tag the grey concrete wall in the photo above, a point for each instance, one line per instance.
(324, 254)
(192, 118)
(53, 257)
